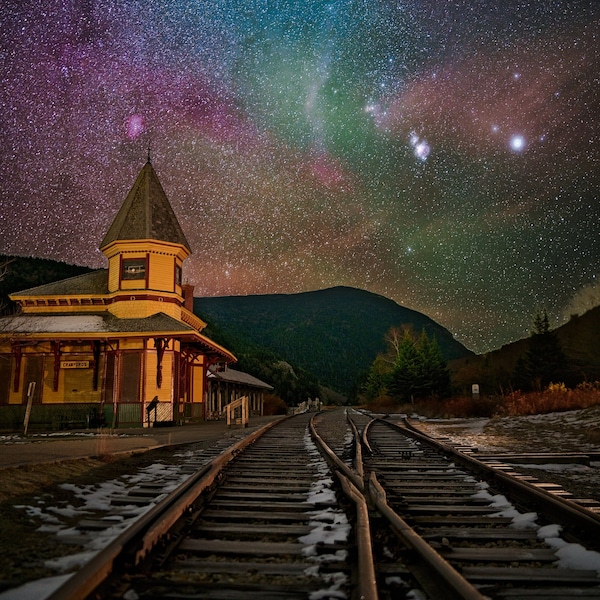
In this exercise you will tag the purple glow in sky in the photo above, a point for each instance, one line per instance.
(305, 145)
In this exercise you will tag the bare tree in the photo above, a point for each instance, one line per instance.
(6, 322)
(393, 339)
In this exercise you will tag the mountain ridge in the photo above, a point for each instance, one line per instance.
(578, 338)
(334, 333)
(372, 316)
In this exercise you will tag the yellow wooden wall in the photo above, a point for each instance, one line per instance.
(114, 273)
(74, 385)
(139, 309)
(197, 391)
(165, 393)
(162, 272)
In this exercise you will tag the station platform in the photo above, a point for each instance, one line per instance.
(38, 447)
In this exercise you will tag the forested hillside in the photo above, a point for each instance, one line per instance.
(334, 333)
(22, 273)
(578, 338)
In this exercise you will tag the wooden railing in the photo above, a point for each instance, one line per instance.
(233, 406)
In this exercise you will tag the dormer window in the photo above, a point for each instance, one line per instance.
(133, 268)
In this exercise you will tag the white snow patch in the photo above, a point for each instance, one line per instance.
(69, 563)
(95, 499)
(38, 513)
(575, 556)
(39, 589)
(496, 501)
(66, 511)
(570, 556)
(329, 525)
(57, 323)
(519, 520)
(549, 531)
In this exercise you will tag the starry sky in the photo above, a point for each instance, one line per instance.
(442, 153)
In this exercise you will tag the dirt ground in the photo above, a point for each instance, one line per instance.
(23, 546)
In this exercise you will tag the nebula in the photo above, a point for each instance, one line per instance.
(445, 155)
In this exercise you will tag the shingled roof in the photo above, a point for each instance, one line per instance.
(146, 214)
(94, 283)
(78, 323)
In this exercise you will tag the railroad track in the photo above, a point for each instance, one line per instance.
(333, 507)
(506, 536)
(261, 521)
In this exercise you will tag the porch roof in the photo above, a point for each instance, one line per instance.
(105, 325)
(94, 283)
(233, 376)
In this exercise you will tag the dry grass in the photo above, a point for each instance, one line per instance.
(386, 404)
(556, 398)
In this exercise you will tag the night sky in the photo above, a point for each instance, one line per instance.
(442, 153)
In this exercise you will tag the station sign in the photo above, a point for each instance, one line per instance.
(74, 364)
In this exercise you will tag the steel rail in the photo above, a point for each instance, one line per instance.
(365, 436)
(150, 528)
(367, 580)
(354, 488)
(334, 459)
(572, 516)
(358, 460)
(458, 586)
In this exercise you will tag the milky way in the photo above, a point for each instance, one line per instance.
(443, 154)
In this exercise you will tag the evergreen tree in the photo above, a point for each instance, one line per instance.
(405, 378)
(411, 368)
(375, 383)
(544, 361)
(436, 376)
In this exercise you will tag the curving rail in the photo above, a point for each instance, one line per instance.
(503, 537)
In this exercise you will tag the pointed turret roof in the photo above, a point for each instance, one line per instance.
(146, 214)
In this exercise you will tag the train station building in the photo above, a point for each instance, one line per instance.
(119, 346)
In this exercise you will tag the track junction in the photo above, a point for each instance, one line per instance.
(342, 504)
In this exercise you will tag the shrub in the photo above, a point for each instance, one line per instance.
(467, 406)
(555, 399)
(557, 388)
(274, 405)
(384, 404)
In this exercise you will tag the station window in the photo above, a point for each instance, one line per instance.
(133, 268)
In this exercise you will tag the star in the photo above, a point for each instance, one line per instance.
(517, 143)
